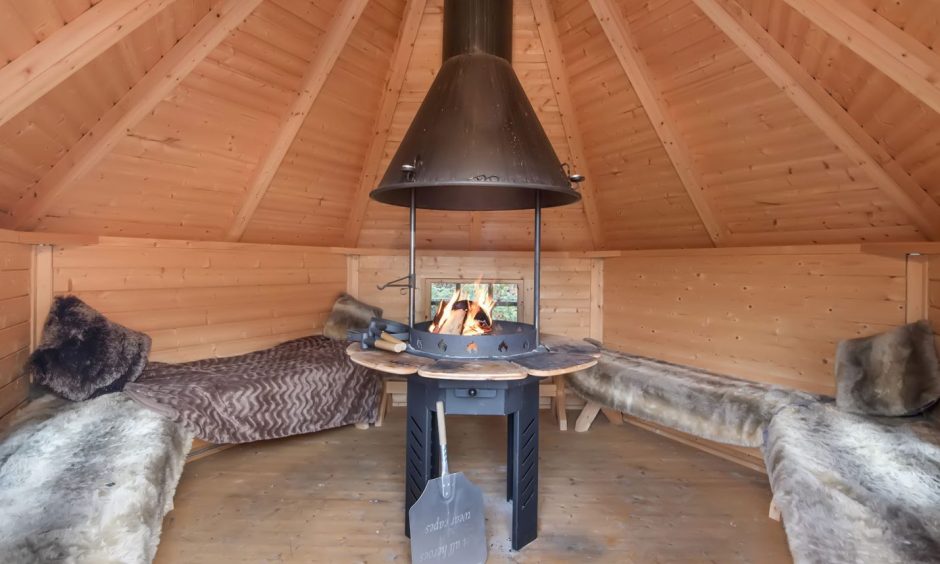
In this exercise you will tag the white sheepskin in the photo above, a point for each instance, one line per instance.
(855, 489)
(87, 482)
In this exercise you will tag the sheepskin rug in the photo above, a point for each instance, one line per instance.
(87, 482)
(717, 408)
(856, 489)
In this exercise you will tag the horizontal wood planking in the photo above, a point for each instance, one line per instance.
(15, 260)
(566, 285)
(770, 318)
(203, 300)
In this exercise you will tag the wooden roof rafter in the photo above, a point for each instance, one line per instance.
(404, 48)
(149, 91)
(907, 61)
(823, 110)
(321, 65)
(631, 60)
(548, 33)
(66, 51)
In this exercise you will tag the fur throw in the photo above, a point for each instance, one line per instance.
(717, 408)
(87, 482)
(84, 355)
(349, 313)
(856, 489)
(894, 373)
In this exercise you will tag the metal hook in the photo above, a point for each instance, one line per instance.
(396, 283)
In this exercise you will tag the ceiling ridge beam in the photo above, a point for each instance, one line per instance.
(904, 59)
(824, 111)
(330, 47)
(34, 73)
(554, 57)
(149, 91)
(651, 98)
(385, 114)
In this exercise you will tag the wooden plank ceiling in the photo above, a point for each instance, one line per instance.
(699, 122)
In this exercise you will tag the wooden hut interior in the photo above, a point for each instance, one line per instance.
(702, 332)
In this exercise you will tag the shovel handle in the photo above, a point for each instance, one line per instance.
(441, 427)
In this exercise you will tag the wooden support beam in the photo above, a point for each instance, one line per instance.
(628, 53)
(368, 178)
(40, 292)
(548, 32)
(917, 301)
(49, 63)
(907, 61)
(328, 51)
(156, 85)
(825, 112)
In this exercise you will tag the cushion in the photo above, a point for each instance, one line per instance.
(349, 313)
(84, 355)
(893, 373)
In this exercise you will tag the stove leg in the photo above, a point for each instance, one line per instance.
(420, 454)
(524, 463)
(510, 455)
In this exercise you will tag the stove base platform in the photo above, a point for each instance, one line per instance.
(516, 399)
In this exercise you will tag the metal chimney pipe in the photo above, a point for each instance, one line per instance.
(474, 27)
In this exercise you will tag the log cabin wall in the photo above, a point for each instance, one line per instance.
(771, 315)
(15, 307)
(570, 286)
(200, 299)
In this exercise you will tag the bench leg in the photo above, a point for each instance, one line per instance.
(588, 414)
(383, 404)
(774, 511)
(612, 415)
(561, 401)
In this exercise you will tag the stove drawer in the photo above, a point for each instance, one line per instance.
(475, 401)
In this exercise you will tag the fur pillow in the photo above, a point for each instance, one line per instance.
(349, 313)
(893, 373)
(84, 355)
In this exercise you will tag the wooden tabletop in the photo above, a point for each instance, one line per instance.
(545, 364)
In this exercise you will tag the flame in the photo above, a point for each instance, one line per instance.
(461, 303)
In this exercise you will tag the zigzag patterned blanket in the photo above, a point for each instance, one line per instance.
(300, 386)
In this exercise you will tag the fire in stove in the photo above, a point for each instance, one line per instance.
(465, 315)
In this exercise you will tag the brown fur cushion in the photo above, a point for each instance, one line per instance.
(83, 354)
(349, 313)
(894, 373)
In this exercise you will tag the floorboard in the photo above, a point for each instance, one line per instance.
(614, 494)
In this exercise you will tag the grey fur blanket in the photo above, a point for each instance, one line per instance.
(856, 489)
(718, 408)
(87, 482)
(300, 386)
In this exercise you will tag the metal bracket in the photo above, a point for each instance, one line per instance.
(397, 283)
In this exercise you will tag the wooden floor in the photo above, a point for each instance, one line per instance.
(615, 494)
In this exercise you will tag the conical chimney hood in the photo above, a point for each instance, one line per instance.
(476, 143)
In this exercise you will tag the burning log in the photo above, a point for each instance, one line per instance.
(453, 324)
(465, 316)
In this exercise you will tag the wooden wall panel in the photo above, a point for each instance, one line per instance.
(904, 126)
(387, 226)
(641, 200)
(310, 198)
(772, 177)
(200, 300)
(761, 315)
(42, 134)
(566, 285)
(15, 310)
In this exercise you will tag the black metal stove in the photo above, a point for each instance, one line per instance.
(476, 145)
